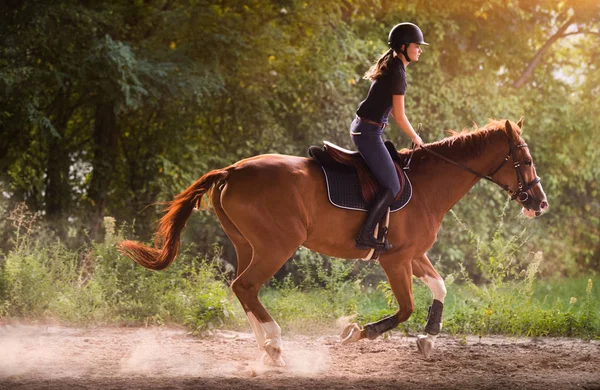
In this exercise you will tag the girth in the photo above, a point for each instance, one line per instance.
(332, 156)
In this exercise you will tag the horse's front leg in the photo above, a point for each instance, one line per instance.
(423, 269)
(399, 275)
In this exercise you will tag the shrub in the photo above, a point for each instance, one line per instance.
(41, 279)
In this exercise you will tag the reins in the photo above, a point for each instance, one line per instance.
(406, 167)
(521, 194)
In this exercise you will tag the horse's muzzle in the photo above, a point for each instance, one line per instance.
(534, 201)
(543, 207)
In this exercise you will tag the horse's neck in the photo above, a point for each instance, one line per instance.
(445, 184)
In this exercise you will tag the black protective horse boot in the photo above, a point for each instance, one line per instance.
(365, 238)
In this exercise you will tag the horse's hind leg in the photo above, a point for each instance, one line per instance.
(423, 269)
(272, 220)
(244, 253)
(267, 259)
(263, 266)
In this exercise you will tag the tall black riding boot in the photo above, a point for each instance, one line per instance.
(365, 238)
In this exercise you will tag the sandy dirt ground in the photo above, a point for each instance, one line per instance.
(53, 357)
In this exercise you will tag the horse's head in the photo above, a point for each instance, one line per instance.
(519, 174)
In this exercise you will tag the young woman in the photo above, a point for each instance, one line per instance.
(386, 96)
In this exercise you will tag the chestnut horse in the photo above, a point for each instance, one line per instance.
(271, 204)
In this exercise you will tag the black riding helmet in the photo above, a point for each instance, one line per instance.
(404, 34)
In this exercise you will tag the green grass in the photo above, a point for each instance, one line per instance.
(513, 310)
(562, 291)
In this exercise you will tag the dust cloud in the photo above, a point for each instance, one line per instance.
(56, 352)
(151, 355)
(54, 357)
(307, 360)
(24, 350)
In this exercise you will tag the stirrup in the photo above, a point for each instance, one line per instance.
(377, 245)
(380, 236)
(375, 239)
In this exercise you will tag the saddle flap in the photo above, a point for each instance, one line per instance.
(389, 145)
(345, 191)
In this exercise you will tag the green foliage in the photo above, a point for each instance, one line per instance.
(181, 87)
(509, 299)
(512, 310)
(96, 285)
(507, 304)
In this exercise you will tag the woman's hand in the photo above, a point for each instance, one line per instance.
(403, 123)
(417, 140)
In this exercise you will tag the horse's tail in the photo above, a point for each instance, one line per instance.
(171, 224)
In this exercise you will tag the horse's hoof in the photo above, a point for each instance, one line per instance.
(350, 334)
(273, 354)
(268, 361)
(425, 345)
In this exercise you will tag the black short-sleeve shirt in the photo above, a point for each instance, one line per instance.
(378, 104)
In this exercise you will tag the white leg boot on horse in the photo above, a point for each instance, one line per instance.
(257, 329)
(268, 338)
(423, 269)
(273, 345)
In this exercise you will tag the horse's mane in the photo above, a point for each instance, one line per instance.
(467, 142)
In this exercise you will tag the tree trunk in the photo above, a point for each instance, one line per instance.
(106, 136)
(528, 72)
(57, 197)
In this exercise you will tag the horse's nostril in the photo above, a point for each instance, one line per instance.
(543, 205)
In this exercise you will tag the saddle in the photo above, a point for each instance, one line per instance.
(336, 158)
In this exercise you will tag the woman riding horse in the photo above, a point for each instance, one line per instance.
(269, 205)
(386, 95)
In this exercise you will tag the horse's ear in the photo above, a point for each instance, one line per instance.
(509, 130)
(520, 123)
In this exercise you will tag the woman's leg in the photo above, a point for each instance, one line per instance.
(367, 139)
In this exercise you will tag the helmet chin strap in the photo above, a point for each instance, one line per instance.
(405, 52)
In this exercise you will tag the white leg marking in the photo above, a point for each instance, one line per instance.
(258, 330)
(437, 287)
(272, 331)
(273, 346)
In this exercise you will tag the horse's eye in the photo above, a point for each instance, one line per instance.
(528, 163)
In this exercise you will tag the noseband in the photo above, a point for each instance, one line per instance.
(522, 186)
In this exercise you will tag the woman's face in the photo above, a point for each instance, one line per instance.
(414, 51)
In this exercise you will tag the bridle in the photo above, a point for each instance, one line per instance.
(522, 185)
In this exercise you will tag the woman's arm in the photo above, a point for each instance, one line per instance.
(402, 121)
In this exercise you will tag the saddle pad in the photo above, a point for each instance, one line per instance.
(343, 190)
